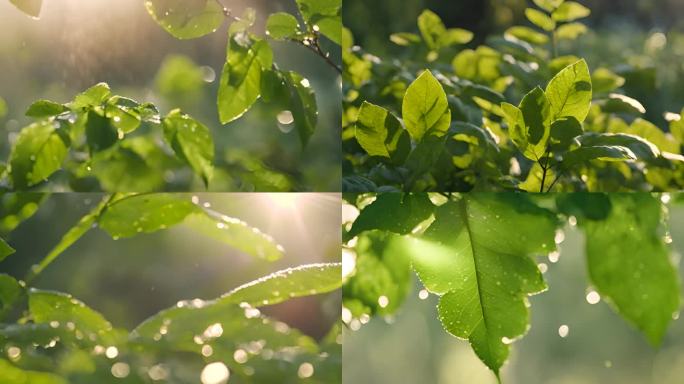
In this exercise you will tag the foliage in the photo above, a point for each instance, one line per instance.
(515, 113)
(107, 142)
(45, 331)
(478, 252)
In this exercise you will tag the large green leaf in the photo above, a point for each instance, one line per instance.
(570, 11)
(30, 7)
(304, 280)
(536, 114)
(425, 108)
(394, 212)
(14, 375)
(282, 25)
(640, 147)
(5, 249)
(631, 266)
(10, 290)
(240, 85)
(45, 108)
(380, 133)
(38, 152)
(146, 213)
(569, 92)
(186, 19)
(192, 142)
(477, 257)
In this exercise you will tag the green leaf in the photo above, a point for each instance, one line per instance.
(92, 97)
(282, 25)
(186, 19)
(436, 35)
(303, 105)
(570, 11)
(617, 103)
(30, 7)
(192, 142)
(548, 5)
(640, 147)
(604, 81)
(603, 153)
(473, 257)
(10, 290)
(652, 133)
(382, 277)
(16, 375)
(38, 152)
(145, 213)
(180, 78)
(129, 165)
(535, 108)
(240, 85)
(313, 8)
(304, 280)
(404, 38)
(100, 133)
(569, 92)
(425, 108)
(540, 19)
(630, 265)
(17, 207)
(527, 34)
(380, 133)
(5, 249)
(394, 212)
(60, 309)
(571, 31)
(45, 108)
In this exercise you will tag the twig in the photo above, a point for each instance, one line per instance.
(313, 44)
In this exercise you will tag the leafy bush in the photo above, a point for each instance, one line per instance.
(518, 113)
(478, 252)
(113, 143)
(45, 331)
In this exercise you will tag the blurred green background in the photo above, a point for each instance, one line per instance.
(128, 280)
(77, 44)
(600, 347)
(644, 34)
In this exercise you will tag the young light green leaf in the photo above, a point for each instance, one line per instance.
(548, 5)
(5, 249)
(30, 7)
(527, 34)
(616, 103)
(604, 81)
(425, 108)
(404, 39)
(303, 105)
(394, 212)
(10, 290)
(304, 280)
(192, 142)
(652, 133)
(17, 207)
(630, 264)
(540, 19)
(380, 133)
(569, 92)
(536, 112)
(38, 152)
(570, 11)
(473, 258)
(240, 85)
(282, 25)
(92, 97)
(186, 19)
(45, 108)
(571, 31)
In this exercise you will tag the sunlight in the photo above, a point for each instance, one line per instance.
(283, 201)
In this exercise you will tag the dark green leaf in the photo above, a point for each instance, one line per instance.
(45, 108)
(186, 19)
(192, 142)
(380, 133)
(38, 152)
(393, 212)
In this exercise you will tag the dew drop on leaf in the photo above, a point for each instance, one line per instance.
(215, 373)
(563, 331)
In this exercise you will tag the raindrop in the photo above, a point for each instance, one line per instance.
(383, 301)
(572, 220)
(158, 372)
(593, 297)
(423, 294)
(563, 331)
(506, 340)
(14, 353)
(120, 370)
(240, 356)
(111, 352)
(207, 350)
(554, 256)
(543, 267)
(305, 370)
(208, 74)
(215, 373)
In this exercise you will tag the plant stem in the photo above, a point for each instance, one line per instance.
(314, 46)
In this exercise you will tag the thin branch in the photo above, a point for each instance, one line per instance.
(314, 46)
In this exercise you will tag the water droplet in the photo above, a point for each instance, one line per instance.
(607, 363)
(383, 301)
(506, 340)
(572, 220)
(305, 370)
(240, 356)
(111, 352)
(120, 370)
(215, 373)
(554, 256)
(346, 315)
(158, 372)
(563, 331)
(207, 350)
(593, 297)
(423, 294)
(14, 353)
